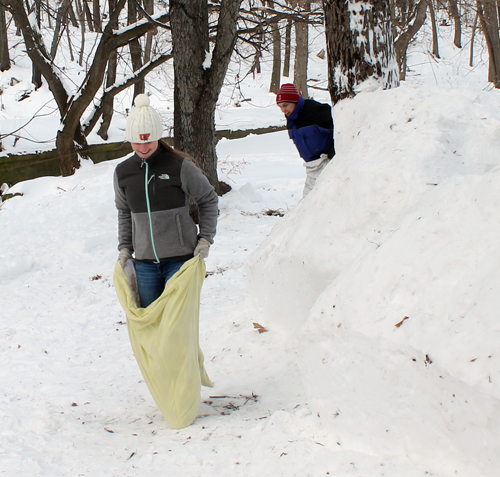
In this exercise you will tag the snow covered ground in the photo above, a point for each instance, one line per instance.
(379, 294)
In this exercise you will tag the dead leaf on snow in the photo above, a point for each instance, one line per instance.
(397, 325)
(259, 328)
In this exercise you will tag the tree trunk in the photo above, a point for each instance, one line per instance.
(455, 14)
(276, 72)
(256, 62)
(96, 7)
(435, 40)
(67, 150)
(107, 105)
(473, 37)
(36, 74)
(189, 23)
(359, 46)
(72, 16)
(70, 46)
(81, 16)
(61, 19)
(197, 84)
(88, 15)
(288, 48)
(149, 6)
(488, 16)
(401, 44)
(135, 47)
(4, 42)
(301, 53)
(68, 157)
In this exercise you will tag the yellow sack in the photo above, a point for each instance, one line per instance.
(164, 337)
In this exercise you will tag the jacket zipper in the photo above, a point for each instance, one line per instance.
(146, 186)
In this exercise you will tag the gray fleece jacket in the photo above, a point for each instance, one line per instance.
(152, 198)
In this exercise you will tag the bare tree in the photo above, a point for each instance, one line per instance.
(149, 8)
(359, 46)
(70, 137)
(88, 15)
(473, 36)
(455, 14)
(81, 15)
(288, 47)
(276, 71)
(107, 104)
(301, 49)
(135, 47)
(276, 42)
(36, 74)
(199, 74)
(407, 19)
(4, 42)
(435, 40)
(61, 22)
(103, 104)
(488, 16)
(96, 15)
(271, 20)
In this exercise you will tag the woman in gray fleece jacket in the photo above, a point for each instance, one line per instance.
(152, 191)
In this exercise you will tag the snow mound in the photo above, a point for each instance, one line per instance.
(387, 275)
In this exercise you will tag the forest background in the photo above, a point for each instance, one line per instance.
(95, 57)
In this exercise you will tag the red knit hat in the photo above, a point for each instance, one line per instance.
(288, 93)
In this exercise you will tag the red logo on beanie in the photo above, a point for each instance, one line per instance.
(144, 137)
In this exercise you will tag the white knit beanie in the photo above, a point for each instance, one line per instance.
(143, 122)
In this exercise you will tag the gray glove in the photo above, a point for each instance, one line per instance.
(123, 256)
(202, 248)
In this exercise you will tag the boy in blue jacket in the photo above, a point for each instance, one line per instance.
(310, 126)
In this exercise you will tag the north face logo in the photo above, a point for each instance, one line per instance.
(144, 137)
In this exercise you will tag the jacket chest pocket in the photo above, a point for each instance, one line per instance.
(166, 193)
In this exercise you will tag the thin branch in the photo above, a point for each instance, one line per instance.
(111, 92)
(3, 136)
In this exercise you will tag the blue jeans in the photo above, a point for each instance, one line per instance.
(152, 278)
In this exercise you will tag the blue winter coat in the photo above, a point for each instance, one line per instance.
(310, 127)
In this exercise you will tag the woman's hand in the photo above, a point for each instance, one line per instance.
(202, 248)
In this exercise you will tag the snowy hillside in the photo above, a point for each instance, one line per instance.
(396, 251)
